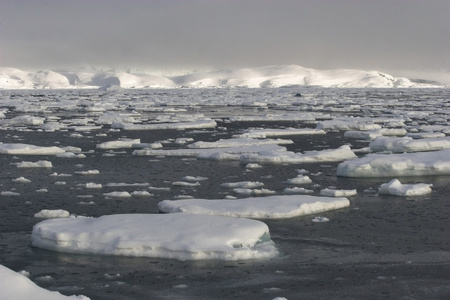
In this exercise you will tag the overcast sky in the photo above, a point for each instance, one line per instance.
(169, 35)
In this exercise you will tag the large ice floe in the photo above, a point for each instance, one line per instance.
(270, 207)
(178, 236)
(392, 165)
(15, 286)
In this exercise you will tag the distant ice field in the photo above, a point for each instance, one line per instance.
(81, 157)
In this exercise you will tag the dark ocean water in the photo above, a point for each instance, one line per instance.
(381, 247)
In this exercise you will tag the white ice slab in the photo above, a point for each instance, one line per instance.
(26, 149)
(270, 207)
(393, 165)
(15, 286)
(179, 236)
(396, 188)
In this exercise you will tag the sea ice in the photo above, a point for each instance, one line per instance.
(38, 164)
(52, 213)
(395, 187)
(270, 207)
(392, 165)
(15, 286)
(121, 143)
(179, 236)
(338, 193)
(26, 149)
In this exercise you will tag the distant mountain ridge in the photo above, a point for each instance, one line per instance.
(269, 76)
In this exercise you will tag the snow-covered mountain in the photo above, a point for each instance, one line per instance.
(270, 76)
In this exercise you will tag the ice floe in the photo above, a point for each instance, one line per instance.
(16, 286)
(52, 213)
(269, 207)
(26, 149)
(393, 165)
(395, 187)
(179, 236)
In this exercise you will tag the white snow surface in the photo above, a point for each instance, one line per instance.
(393, 165)
(269, 76)
(396, 188)
(269, 207)
(26, 149)
(178, 236)
(52, 213)
(15, 286)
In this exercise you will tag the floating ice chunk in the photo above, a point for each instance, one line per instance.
(60, 183)
(117, 194)
(253, 166)
(24, 120)
(348, 124)
(269, 207)
(299, 179)
(147, 145)
(186, 184)
(9, 193)
(42, 191)
(118, 144)
(21, 180)
(408, 144)
(121, 184)
(26, 149)
(425, 135)
(194, 178)
(15, 286)
(38, 164)
(179, 236)
(338, 193)
(92, 185)
(71, 155)
(297, 190)
(276, 117)
(265, 133)
(88, 172)
(237, 142)
(141, 194)
(395, 187)
(328, 155)
(52, 213)
(392, 165)
(320, 220)
(200, 124)
(242, 184)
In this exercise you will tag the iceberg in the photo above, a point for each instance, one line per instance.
(176, 236)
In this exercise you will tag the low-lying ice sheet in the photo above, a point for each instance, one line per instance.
(178, 236)
(118, 144)
(270, 207)
(393, 165)
(38, 164)
(15, 286)
(328, 155)
(396, 188)
(238, 142)
(408, 144)
(26, 149)
(265, 133)
(200, 124)
(52, 213)
(338, 193)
